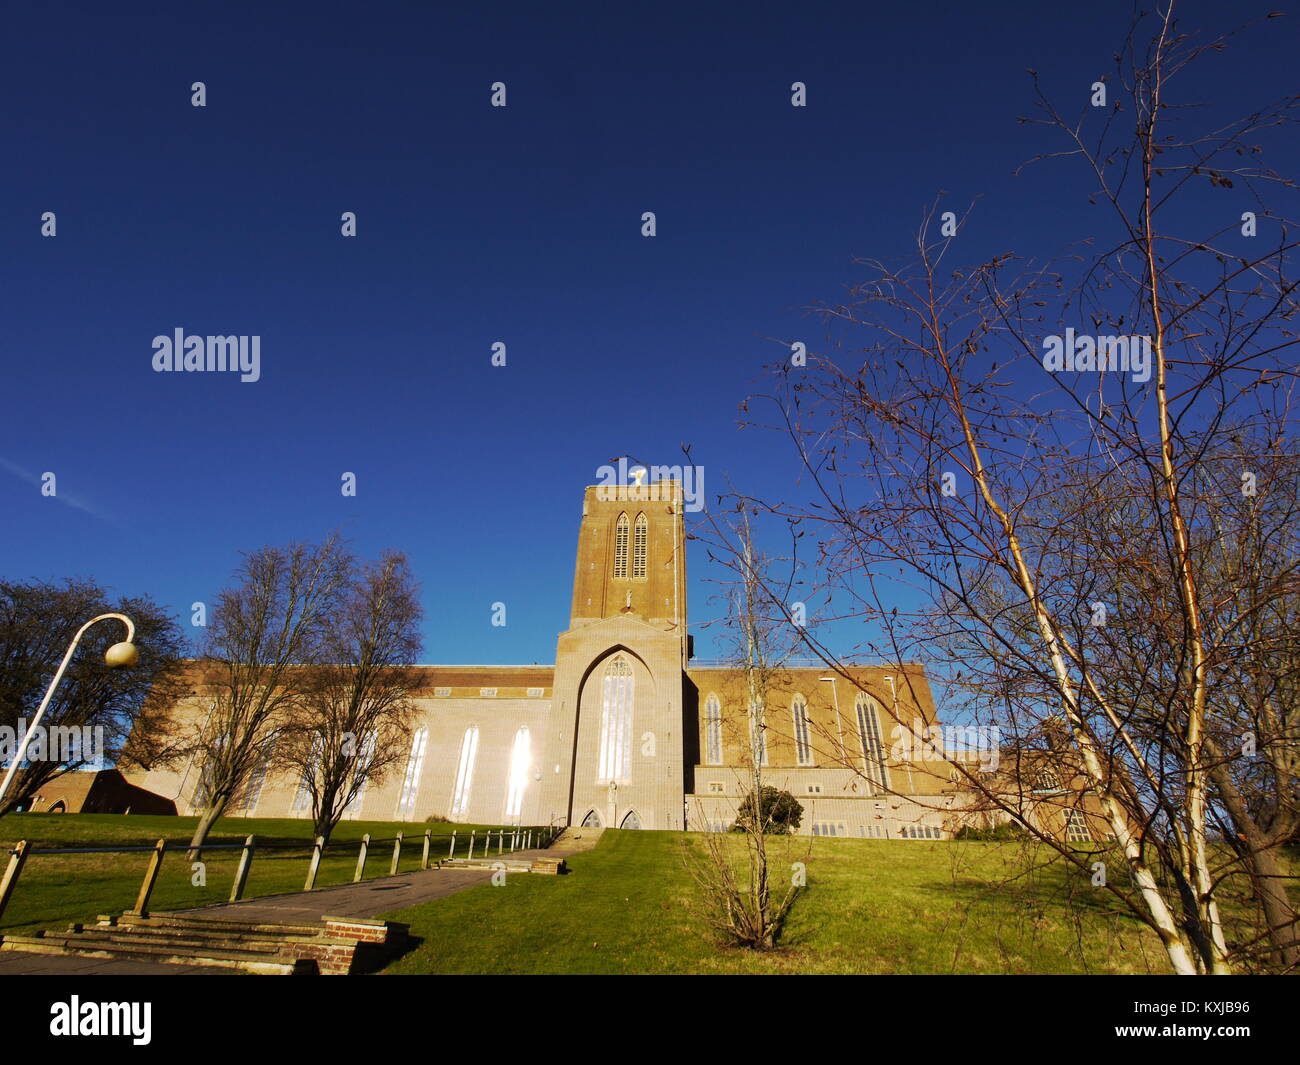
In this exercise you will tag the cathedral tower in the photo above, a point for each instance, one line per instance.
(620, 666)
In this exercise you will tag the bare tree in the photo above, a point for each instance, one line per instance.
(264, 630)
(351, 727)
(954, 454)
(1243, 535)
(745, 907)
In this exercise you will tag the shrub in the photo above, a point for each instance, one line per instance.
(1007, 830)
(779, 812)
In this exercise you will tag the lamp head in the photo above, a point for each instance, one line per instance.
(122, 655)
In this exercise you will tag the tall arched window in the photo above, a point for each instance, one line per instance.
(361, 775)
(302, 797)
(616, 721)
(640, 538)
(620, 547)
(712, 731)
(253, 791)
(520, 758)
(873, 748)
(802, 748)
(411, 778)
(464, 772)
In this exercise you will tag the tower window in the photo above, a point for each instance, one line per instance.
(620, 547)
(713, 731)
(640, 538)
(616, 721)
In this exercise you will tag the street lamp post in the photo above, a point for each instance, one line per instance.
(124, 654)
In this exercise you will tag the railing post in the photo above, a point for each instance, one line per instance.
(397, 855)
(361, 859)
(314, 868)
(241, 874)
(451, 852)
(428, 842)
(472, 833)
(150, 879)
(17, 859)
(501, 840)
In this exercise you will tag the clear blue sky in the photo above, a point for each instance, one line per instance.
(476, 225)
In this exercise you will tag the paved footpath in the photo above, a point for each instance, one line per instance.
(370, 898)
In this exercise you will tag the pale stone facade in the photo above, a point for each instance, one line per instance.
(623, 731)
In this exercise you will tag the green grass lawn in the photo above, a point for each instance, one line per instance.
(871, 906)
(55, 890)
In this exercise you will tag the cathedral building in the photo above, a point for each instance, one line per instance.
(625, 731)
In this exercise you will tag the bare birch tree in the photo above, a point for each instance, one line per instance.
(750, 905)
(949, 452)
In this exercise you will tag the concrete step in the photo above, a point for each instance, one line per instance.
(515, 865)
(214, 924)
(262, 945)
(198, 934)
(267, 966)
(577, 839)
(332, 946)
(143, 945)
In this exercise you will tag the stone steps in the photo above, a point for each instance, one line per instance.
(545, 866)
(261, 944)
(333, 946)
(193, 922)
(73, 946)
(577, 839)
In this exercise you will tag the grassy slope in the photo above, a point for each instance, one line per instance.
(58, 889)
(872, 906)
